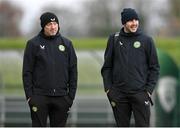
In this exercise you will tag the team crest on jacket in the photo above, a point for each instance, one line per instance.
(137, 44)
(34, 108)
(61, 48)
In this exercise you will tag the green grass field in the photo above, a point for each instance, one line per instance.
(89, 77)
(89, 82)
(82, 43)
(170, 45)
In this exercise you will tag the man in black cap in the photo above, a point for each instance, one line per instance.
(130, 71)
(49, 74)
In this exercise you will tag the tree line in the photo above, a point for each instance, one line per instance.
(98, 18)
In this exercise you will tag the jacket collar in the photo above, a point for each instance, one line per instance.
(138, 32)
(41, 33)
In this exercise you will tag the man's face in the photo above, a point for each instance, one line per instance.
(131, 26)
(51, 29)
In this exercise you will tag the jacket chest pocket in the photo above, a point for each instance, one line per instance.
(61, 54)
(139, 55)
(43, 55)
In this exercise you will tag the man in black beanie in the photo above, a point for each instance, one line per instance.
(49, 74)
(130, 71)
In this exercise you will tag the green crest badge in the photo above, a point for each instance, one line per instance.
(34, 109)
(113, 103)
(137, 44)
(61, 48)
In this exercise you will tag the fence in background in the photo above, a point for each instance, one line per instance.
(86, 111)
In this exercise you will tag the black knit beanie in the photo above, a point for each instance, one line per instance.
(128, 14)
(48, 17)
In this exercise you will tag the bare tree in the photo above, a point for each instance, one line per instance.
(68, 20)
(104, 16)
(99, 17)
(174, 23)
(10, 18)
(175, 8)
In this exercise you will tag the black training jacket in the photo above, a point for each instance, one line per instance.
(130, 63)
(49, 67)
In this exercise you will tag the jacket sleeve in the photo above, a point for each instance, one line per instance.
(28, 64)
(72, 72)
(153, 66)
(106, 70)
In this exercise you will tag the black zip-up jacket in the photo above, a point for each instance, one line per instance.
(131, 63)
(50, 67)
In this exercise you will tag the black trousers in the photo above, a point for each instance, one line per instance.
(124, 104)
(43, 106)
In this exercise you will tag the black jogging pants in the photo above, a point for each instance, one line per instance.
(123, 104)
(54, 107)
